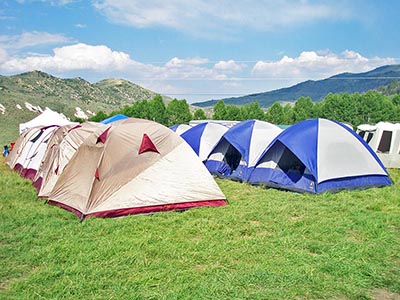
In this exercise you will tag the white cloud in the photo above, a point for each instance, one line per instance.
(194, 79)
(315, 65)
(180, 63)
(220, 19)
(31, 39)
(229, 66)
(74, 57)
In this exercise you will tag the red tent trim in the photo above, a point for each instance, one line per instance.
(75, 127)
(66, 207)
(38, 183)
(156, 208)
(140, 210)
(103, 137)
(147, 145)
(96, 174)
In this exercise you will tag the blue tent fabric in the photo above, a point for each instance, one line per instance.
(193, 136)
(239, 149)
(174, 127)
(239, 136)
(114, 118)
(180, 128)
(203, 137)
(237, 140)
(306, 138)
(295, 160)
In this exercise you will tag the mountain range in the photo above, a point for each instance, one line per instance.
(24, 95)
(318, 89)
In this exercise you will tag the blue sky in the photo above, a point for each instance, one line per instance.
(199, 50)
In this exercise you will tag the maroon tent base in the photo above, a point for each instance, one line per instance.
(139, 210)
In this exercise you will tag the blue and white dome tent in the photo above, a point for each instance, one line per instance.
(180, 128)
(319, 155)
(203, 138)
(240, 148)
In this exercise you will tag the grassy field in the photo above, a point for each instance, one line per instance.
(266, 244)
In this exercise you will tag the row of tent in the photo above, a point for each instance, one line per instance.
(125, 167)
(313, 156)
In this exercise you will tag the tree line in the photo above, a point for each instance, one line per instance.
(355, 109)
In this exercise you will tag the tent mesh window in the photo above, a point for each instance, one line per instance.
(386, 140)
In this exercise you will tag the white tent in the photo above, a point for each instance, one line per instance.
(46, 118)
(384, 139)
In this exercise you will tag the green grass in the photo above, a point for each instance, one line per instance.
(266, 244)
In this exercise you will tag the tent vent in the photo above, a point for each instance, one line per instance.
(103, 137)
(147, 145)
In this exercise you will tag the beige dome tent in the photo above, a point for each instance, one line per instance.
(19, 146)
(134, 166)
(61, 147)
(30, 149)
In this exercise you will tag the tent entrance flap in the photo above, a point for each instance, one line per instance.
(232, 158)
(291, 165)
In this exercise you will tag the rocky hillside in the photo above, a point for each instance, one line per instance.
(23, 96)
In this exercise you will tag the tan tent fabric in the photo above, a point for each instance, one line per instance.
(112, 179)
(19, 146)
(55, 139)
(61, 148)
(31, 151)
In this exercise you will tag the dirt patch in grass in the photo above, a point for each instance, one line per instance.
(384, 294)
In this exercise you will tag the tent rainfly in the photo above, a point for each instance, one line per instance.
(319, 155)
(114, 118)
(134, 166)
(240, 148)
(203, 138)
(61, 147)
(30, 150)
(180, 128)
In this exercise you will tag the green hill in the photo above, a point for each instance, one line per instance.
(317, 90)
(62, 95)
